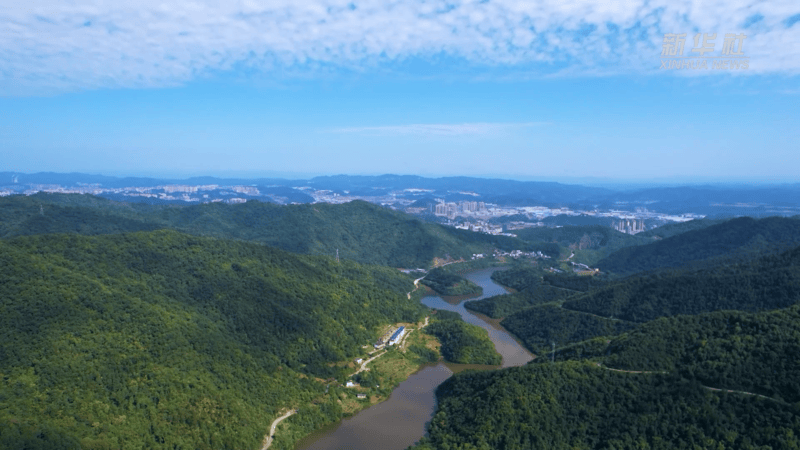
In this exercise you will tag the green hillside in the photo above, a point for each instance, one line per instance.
(540, 327)
(674, 229)
(578, 405)
(753, 352)
(462, 343)
(588, 243)
(446, 283)
(165, 340)
(730, 241)
(718, 380)
(534, 286)
(581, 237)
(610, 308)
(360, 231)
(80, 214)
(768, 283)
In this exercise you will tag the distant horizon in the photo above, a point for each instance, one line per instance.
(576, 92)
(566, 180)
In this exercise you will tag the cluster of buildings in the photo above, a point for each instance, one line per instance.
(58, 189)
(482, 227)
(513, 254)
(516, 254)
(629, 226)
(169, 192)
(451, 210)
(391, 339)
(624, 221)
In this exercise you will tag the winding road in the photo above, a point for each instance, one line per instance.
(268, 437)
(707, 387)
(416, 285)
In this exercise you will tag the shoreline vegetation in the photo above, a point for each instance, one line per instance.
(376, 382)
(450, 284)
(441, 337)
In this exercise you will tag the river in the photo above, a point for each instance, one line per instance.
(400, 421)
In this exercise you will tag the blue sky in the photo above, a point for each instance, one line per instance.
(529, 90)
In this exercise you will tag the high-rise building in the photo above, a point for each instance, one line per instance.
(629, 226)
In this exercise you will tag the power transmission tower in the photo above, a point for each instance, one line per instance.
(553, 357)
(41, 210)
(337, 255)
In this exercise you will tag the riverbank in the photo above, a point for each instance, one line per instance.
(374, 381)
(400, 421)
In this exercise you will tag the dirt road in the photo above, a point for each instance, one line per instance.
(268, 437)
(731, 391)
(364, 364)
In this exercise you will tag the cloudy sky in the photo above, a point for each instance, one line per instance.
(519, 89)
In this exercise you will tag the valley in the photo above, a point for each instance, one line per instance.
(235, 326)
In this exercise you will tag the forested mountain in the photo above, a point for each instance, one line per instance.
(726, 379)
(166, 340)
(582, 237)
(733, 240)
(534, 286)
(360, 231)
(500, 306)
(753, 352)
(589, 306)
(768, 283)
(674, 229)
(81, 214)
(572, 405)
(544, 325)
(587, 243)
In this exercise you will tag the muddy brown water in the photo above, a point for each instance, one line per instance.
(400, 421)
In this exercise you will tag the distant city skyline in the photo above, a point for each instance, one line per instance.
(500, 89)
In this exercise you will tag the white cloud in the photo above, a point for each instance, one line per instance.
(440, 129)
(86, 44)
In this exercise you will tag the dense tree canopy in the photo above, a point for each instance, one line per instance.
(729, 242)
(360, 231)
(162, 339)
(446, 283)
(574, 404)
(535, 287)
(462, 343)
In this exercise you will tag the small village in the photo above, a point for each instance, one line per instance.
(395, 336)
